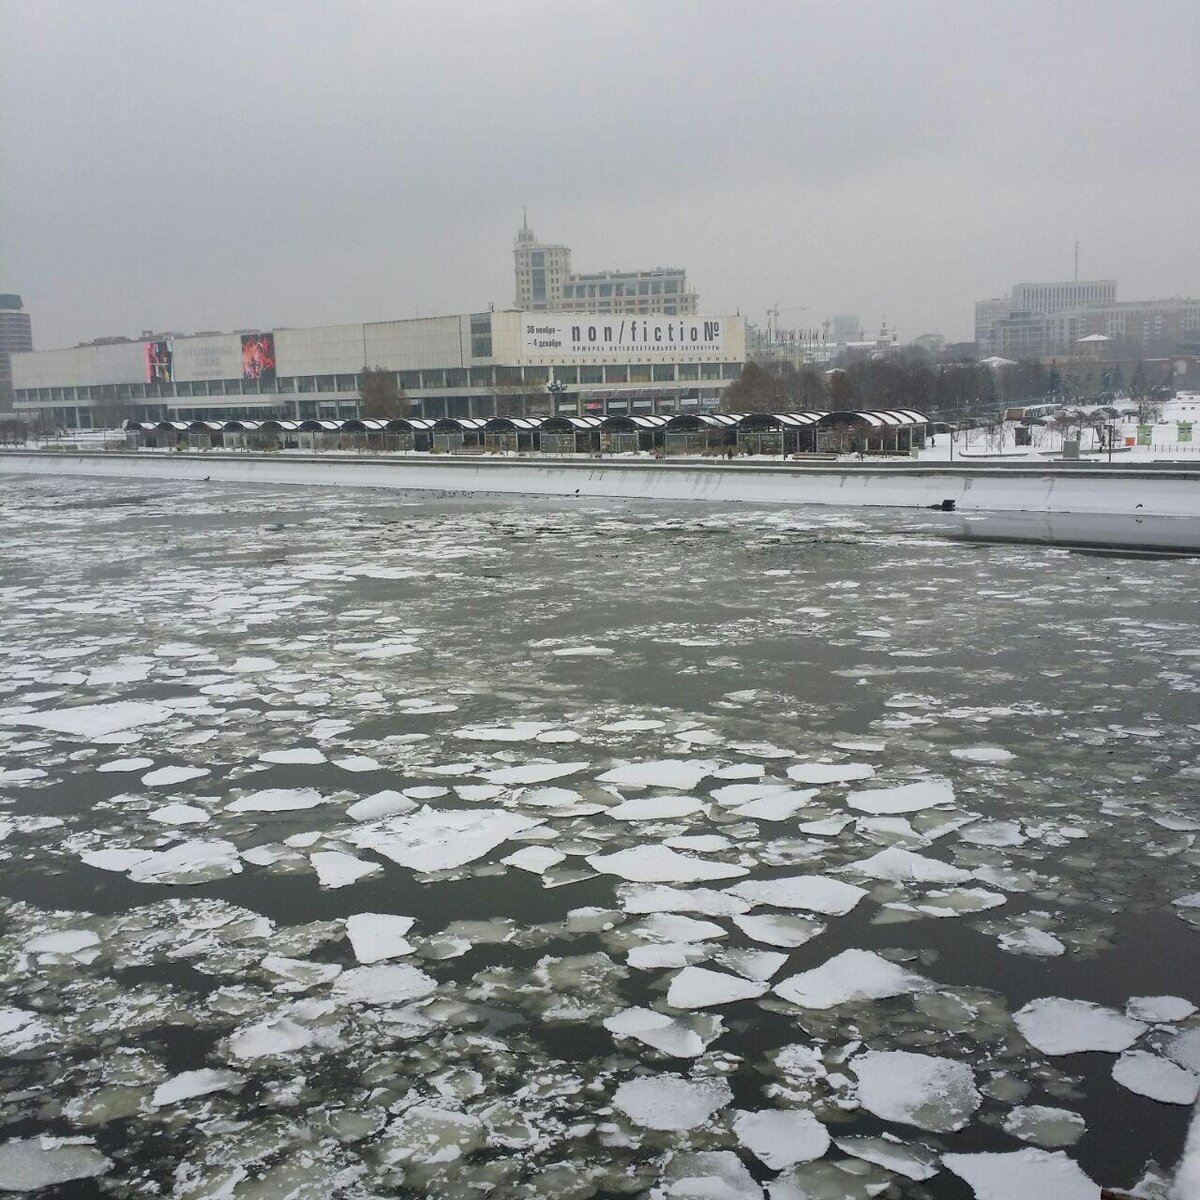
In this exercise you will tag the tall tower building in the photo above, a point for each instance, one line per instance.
(541, 271)
(16, 334)
(545, 281)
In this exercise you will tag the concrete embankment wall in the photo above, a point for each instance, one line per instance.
(995, 488)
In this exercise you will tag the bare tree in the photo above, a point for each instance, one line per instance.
(521, 398)
(109, 412)
(382, 397)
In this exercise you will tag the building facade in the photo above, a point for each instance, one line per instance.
(1049, 318)
(545, 283)
(16, 336)
(470, 365)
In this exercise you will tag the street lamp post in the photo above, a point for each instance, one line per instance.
(556, 387)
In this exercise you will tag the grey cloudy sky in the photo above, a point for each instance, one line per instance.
(221, 164)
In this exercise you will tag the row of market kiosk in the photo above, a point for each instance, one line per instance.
(894, 431)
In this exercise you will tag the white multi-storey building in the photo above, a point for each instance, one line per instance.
(545, 282)
(471, 365)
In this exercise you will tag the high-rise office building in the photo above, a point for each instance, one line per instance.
(544, 282)
(16, 334)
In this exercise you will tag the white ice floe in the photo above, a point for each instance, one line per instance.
(781, 1137)
(759, 965)
(358, 763)
(1057, 1026)
(706, 1175)
(336, 869)
(191, 1084)
(518, 731)
(779, 806)
(179, 814)
(667, 956)
(639, 898)
(993, 833)
(661, 864)
(436, 840)
(249, 665)
(1159, 1009)
(125, 765)
(1184, 1048)
(632, 725)
(30, 1164)
(675, 927)
(301, 754)
(1022, 1174)
(913, 1161)
(851, 975)
(582, 652)
(65, 943)
(682, 774)
(391, 983)
(381, 804)
(165, 776)
(702, 843)
(954, 902)
(1032, 941)
(665, 1034)
(983, 754)
(811, 893)
(669, 1102)
(779, 930)
(825, 827)
(535, 859)
(932, 1093)
(1149, 1075)
(534, 773)
(908, 798)
(1044, 1126)
(698, 987)
(277, 800)
(93, 720)
(378, 936)
(184, 863)
(903, 866)
(274, 1036)
(816, 772)
(655, 808)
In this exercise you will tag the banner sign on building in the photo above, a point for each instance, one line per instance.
(563, 335)
(206, 357)
(258, 356)
(158, 363)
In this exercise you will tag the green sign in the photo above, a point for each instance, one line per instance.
(1185, 431)
(1143, 434)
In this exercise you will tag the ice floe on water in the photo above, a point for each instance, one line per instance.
(1055, 1026)
(1021, 1175)
(853, 975)
(925, 1090)
(671, 1102)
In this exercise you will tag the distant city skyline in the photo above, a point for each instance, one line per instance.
(900, 165)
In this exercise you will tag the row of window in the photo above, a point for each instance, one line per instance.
(449, 377)
(656, 288)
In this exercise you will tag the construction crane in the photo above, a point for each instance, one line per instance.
(773, 319)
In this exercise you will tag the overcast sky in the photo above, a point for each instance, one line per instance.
(216, 165)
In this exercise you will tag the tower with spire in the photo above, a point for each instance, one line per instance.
(541, 270)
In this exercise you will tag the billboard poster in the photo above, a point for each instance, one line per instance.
(158, 363)
(258, 356)
(565, 335)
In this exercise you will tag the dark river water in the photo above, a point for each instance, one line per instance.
(363, 844)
